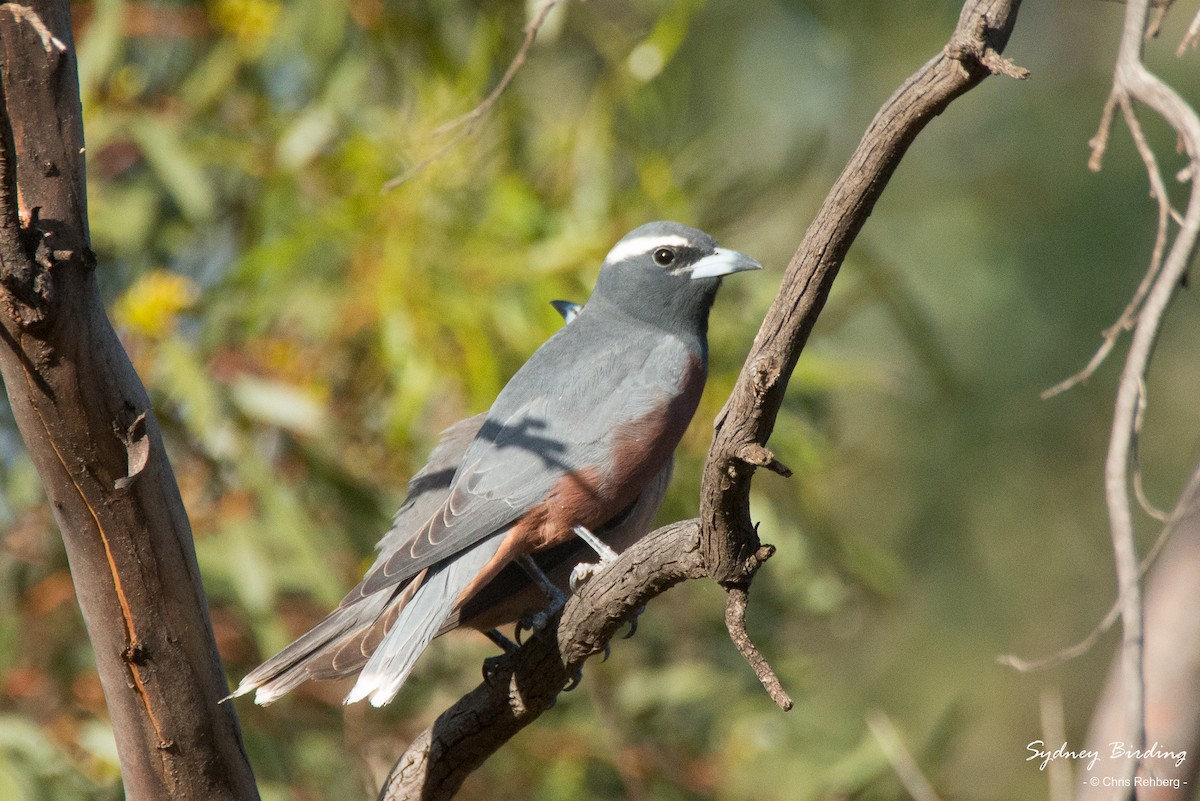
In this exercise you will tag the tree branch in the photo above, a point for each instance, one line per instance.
(1132, 81)
(722, 544)
(86, 421)
(521, 686)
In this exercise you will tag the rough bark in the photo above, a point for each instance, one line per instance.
(722, 544)
(87, 423)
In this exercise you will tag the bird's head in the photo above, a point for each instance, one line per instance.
(667, 271)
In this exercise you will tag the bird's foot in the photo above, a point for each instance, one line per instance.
(585, 571)
(575, 679)
(536, 621)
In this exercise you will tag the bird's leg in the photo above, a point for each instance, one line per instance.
(503, 643)
(492, 664)
(586, 570)
(558, 599)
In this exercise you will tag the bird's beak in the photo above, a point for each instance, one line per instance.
(723, 262)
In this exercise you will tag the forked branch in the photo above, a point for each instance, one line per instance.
(722, 544)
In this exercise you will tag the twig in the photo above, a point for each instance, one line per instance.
(1080, 648)
(1191, 37)
(736, 599)
(899, 757)
(1166, 213)
(464, 125)
(1133, 82)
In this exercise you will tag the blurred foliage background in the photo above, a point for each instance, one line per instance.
(305, 337)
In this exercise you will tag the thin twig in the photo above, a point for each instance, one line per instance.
(1191, 37)
(736, 599)
(1166, 213)
(899, 757)
(1080, 648)
(1099, 142)
(1133, 82)
(464, 125)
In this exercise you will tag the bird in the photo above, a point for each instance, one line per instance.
(344, 640)
(579, 439)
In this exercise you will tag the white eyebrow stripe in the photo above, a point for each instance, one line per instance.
(643, 244)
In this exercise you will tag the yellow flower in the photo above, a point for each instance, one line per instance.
(151, 306)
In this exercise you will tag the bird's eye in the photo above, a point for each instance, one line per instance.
(664, 256)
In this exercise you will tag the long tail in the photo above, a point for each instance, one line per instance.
(420, 621)
(298, 662)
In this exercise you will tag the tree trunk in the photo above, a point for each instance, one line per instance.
(86, 420)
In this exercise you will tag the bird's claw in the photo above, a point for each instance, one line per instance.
(633, 622)
(575, 680)
(583, 573)
(535, 622)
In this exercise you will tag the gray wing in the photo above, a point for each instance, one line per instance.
(557, 415)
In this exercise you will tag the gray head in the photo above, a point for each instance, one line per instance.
(666, 274)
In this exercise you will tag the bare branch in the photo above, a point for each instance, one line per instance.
(736, 599)
(1133, 81)
(722, 544)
